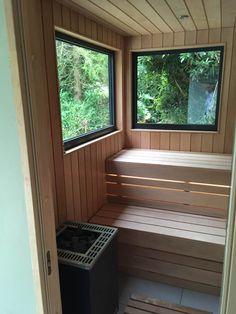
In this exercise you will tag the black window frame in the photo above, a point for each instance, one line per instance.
(78, 140)
(170, 127)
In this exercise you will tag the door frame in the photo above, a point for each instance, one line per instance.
(26, 59)
(40, 206)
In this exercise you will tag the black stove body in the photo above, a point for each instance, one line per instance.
(87, 256)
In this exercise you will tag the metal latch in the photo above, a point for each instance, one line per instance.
(49, 263)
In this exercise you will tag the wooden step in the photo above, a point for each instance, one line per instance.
(142, 305)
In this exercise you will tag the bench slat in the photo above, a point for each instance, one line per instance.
(159, 222)
(166, 214)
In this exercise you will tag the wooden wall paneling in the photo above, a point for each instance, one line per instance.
(207, 143)
(49, 12)
(128, 116)
(104, 156)
(230, 122)
(57, 13)
(70, 214)
(145, 139)
(206, 139)
(179, 39)
(88, 28)
(66, 21)
(94, 174)
(165, 140)
(214, 35)
(155, 140)
(174, 141)
(94, 30)
(136, 139)
(136, 42)
(81, 24)
(157, 40)
(74, 21)
(196, 142)
(146, 41)
(104, 35)
(218, 140)
(185, 141)
(190, 38)
(88, 179)
(83, 187)
(100, 174)
(108, 146)
(99, 33)
(76, 186)
(168, 40)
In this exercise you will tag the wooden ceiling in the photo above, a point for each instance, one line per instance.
(135, 17)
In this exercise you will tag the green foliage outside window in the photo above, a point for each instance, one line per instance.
(84, 89)
(178, 88)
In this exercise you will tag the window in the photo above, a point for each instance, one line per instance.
(86, 84)
(177, 89)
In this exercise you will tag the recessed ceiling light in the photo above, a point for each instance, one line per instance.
(183, 17)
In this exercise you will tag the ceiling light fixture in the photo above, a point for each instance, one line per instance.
(183, 16)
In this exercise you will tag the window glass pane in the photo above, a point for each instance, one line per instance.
(84, 89)
(178, 88)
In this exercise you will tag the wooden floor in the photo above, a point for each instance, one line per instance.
(141, 305)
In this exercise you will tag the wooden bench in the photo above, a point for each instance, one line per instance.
(170, 208)
(142, 305)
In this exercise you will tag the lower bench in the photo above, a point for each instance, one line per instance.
(142, 305)
(182, 249)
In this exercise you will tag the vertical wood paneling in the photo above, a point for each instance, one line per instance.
(76, 186)
(179, 39)
(136, 139)
(175, 141)
(57, 14)
(100, 172)
(231, 109)
(207, 143)
(81, 173)
(196, 142)
(69, 189)
(66, 21)
(74, 21)
(81, 24)
(165, 140)
(145, 139)
(146, 41)
(190, 141)
(83, 188)
(218, 140)
(185, 142)
(155, 140)
(88, 179)
(94, 174)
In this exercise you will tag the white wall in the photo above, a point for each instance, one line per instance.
(16, 280)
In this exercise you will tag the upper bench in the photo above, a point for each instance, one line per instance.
(181, 181)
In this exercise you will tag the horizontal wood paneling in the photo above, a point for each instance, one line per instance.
(220, 142)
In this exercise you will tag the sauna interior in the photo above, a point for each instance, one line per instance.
(164, 185)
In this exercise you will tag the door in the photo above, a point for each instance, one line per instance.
(228, 302)
(25, 35)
